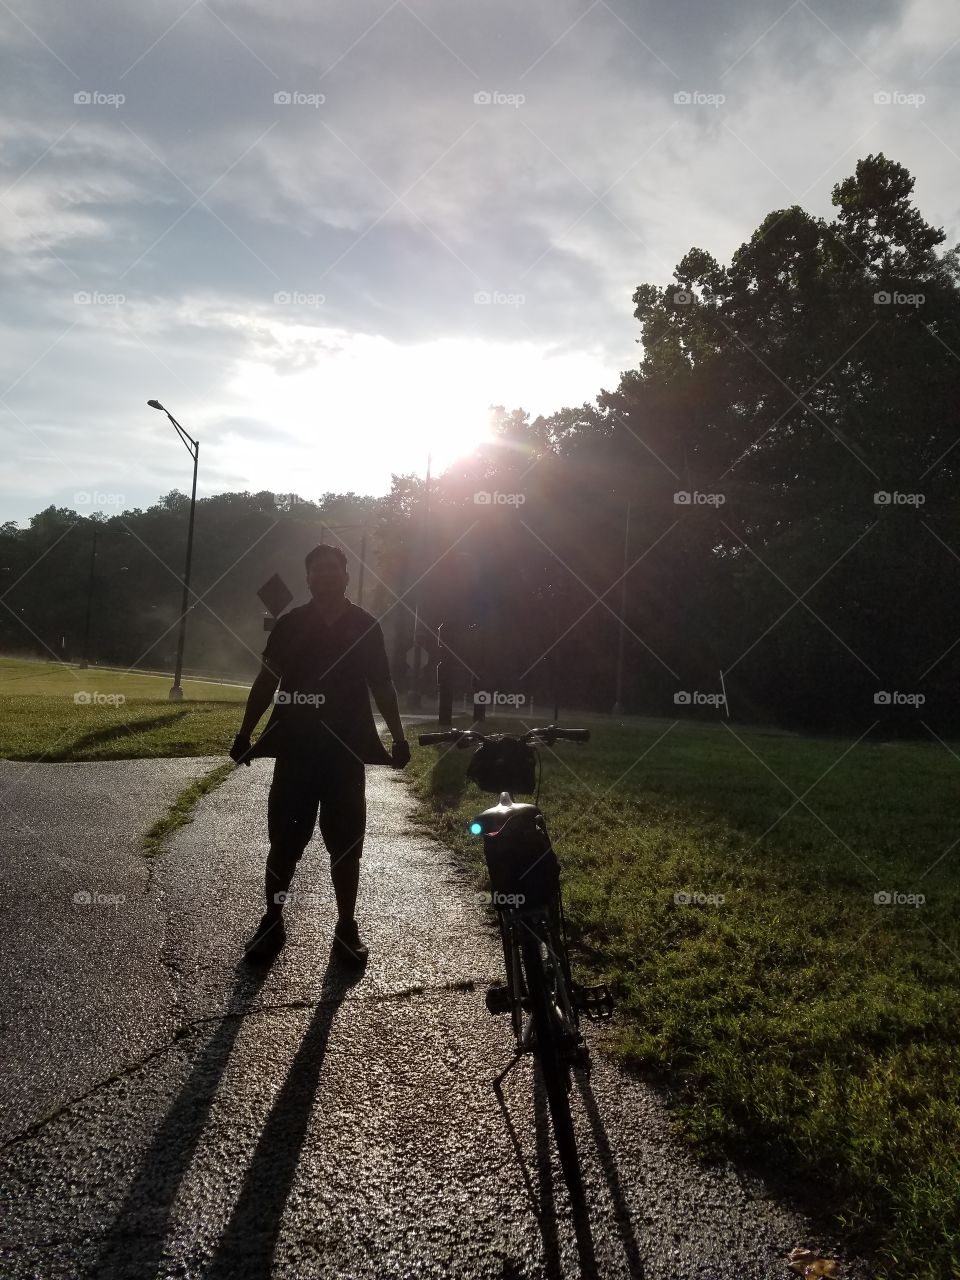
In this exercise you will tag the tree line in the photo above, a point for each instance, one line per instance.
(762, 510)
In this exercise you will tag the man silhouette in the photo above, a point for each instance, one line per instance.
(325, 656)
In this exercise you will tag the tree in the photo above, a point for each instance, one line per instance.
(811, 374)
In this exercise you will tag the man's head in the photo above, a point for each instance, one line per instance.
(327, 575)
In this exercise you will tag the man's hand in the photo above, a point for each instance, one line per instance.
(239, 750)
(400, 754)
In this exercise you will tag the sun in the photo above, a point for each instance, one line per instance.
(314, 410)
(367, 406)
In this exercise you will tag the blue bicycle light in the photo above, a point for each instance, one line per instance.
(476, 829)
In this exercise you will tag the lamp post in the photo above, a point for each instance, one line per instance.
(193, 448)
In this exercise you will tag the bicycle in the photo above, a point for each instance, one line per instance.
(540, 994)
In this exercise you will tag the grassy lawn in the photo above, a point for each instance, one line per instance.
(53, 712)
(789, 1014)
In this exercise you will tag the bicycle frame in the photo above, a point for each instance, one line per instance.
(543, 1001)
(545, 1023)
(540, 925)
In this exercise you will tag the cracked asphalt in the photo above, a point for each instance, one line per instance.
(172, 1112)
(82, 991)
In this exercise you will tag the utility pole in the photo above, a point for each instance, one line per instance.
(84, 663)
(414, 699)
(444, 691)
(363, 562)
(336, 529)
(618, 704)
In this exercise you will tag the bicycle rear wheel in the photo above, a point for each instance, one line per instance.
(543, 973)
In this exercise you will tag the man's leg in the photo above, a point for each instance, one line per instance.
(343, 822)
(291, 817)
(281, 864)
(345, 874)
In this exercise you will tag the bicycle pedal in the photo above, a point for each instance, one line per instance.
(498, 1000)
(595, 1003)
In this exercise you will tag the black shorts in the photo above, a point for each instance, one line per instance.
(307, 785)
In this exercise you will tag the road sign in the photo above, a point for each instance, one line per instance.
(275, 594)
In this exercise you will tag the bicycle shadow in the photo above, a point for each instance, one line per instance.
(134, 1245)
(544, 1206)
(611, 1173)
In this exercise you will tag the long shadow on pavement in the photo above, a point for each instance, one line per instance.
(608, 1163)
(544, 1206)
(133, 1248)
(249, 1239)
(134, 1244)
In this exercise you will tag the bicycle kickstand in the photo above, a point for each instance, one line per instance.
(498, 1079)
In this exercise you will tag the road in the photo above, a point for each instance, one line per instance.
(178, 1114)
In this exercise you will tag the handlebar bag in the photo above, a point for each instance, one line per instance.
(504, 766)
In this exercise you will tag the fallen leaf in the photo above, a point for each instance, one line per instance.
(799, 1259)
(808, 1263)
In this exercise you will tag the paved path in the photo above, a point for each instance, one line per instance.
(82, 991)
(303, 1123)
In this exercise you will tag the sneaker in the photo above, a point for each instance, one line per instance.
(348, 943)
(270, 936)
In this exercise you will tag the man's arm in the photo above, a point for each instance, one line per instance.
(259, 698)
(385, 696)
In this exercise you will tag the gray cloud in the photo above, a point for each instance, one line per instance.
(597, 181)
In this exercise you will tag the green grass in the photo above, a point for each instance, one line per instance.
(181, 811)
(798, 1020)
(128, 715)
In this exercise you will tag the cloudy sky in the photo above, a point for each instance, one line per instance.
(329, 236)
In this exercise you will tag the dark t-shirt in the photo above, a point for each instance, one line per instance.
(323, 700)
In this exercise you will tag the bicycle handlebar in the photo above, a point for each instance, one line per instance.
(549, 733)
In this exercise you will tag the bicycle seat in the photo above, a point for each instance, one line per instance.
(519, 857)
(493, 820)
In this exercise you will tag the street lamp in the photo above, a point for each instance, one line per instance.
(193, 448)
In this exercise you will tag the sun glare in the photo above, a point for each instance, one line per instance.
(345, 411)
(369, 407)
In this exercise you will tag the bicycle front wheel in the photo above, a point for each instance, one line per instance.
(544, 974)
